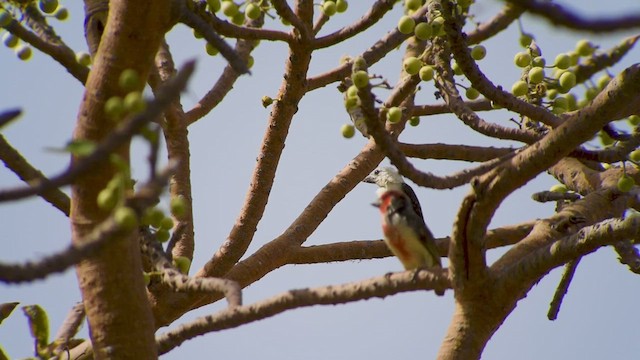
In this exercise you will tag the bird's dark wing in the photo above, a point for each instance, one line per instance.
(415, 203)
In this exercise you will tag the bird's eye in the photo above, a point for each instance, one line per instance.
(376, 172)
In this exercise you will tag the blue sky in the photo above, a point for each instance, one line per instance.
(595, 321)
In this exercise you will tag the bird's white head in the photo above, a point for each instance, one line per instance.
(385, 177)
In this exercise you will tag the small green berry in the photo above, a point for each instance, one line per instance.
(182, 263)
(563, 61)
(166, 223)
(107, 198)
(520, 88)
(478, 52)
(360, 79)
(229, 8)
(412, 65)
(341, 6)
(178, 207)
(426, 73)
(126, 218)
(394, 114)
(134, 102)
(211, 50)
(162, 235)
(62, 13)
(5, 18)
(10, 40)
(153, 217)
(567, 81)
(423, 31)
(406, 24)
(634, 120)
(625, 183)
(24, 52)
(525, 40)
(348, 131)
(472, 93)
(83, 58)
(635, 155)
(252, 11)
(536, 75)
(48, 6)
(214, 5)
(114, 108)
(522, 59)
(414, 121)
(584, 48)
(129, 80)
(329, 8)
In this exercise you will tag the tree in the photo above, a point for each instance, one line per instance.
(553, 124)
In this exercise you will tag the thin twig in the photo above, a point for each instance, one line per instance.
(561, 290)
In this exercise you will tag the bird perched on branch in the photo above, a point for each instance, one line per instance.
(405, 232)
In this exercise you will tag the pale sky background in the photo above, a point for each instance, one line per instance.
(598, 318)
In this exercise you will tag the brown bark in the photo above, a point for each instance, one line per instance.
(113, 291)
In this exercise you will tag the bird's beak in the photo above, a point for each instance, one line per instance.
(369, 179)
(376, 204)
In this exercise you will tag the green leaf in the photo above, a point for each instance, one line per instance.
(6, 309)
(38, 325)
(81, 147)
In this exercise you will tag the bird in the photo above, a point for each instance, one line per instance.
(406, 234)
(387, 178)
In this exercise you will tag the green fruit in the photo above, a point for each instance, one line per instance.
(572, 103)
(472, 93)
(266, 101)
(24, 52)
(412, 4)
(48, 6)
(350, 102)
(536, 75)
(605, 139)
(83, 58)
(62, 13)
(591, 93)
(575, 58)
(603, 81)
(211, 50)
(5, 18)
(10, 40)
(352, 92)
(342, 5)
(197, 34)
(552, 94)
(229, 8)
(437, 24)
(394, 114)
(522, 59)
(414, 121)
(635, 155)
(238, 18)
(519, 88)
(559, 188)
(538, 61)
(560, 102)
(134, 102)
(406, 24)
(214, 5)
(426, 73)
(625, 183)
(163, 235)
(126, 218)
(178, 207)
(584, 48)
(107, 198)
(182, 263)
(348, 131)
(166, 224)
(423, 31)
(634, 120)
(129, 80)
(457, 70)
(525, 40)
(412, 65)
(563, 61)
(478, 52)
(567, 81)
(153, 217)
(146, 278)
(250, 61)
(114, 108)
(252, 11)
(360, 79)
(329, 8)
